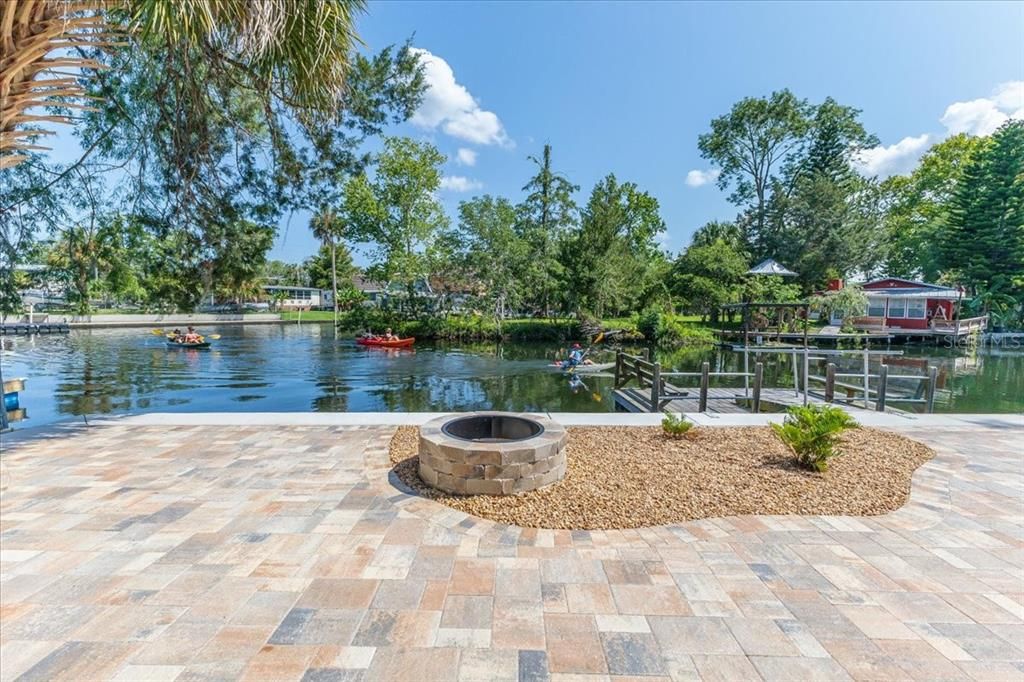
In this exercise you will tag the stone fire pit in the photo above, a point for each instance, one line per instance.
(491, 453)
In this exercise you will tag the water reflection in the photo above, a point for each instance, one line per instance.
(292, 368)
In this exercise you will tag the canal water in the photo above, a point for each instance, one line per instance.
(290, 368)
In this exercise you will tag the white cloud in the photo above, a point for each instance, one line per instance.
(699, 178)
(465, 157)
(449, 106)
(895, 159)
(983, 116)
(1010, 97)
(458, 183)
(974, 117)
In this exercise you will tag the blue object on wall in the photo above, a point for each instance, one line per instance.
(10, 401)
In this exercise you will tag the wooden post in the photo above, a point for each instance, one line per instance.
(883, 385)
(655, 386)
(867, 373)
(618, 367)
(746, 371)
(704, 369)
(806, 372)
(933, 377)
(758, 374)
(830, 382)
(796, 375)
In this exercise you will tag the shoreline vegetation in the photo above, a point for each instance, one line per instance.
(663, 329)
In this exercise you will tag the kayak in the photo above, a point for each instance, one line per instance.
(584, 369)
(381, 343)
(182, 344)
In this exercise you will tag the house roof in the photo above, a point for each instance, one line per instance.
(914, 292)
(910, 289)
(366, 284)
(771, 267)
(282, 287)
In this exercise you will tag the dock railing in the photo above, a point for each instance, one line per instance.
(880, 394)
(649, 375)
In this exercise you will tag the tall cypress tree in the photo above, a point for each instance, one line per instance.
(984, 243)
(545, 215)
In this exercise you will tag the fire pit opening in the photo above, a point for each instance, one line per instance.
(492, 428)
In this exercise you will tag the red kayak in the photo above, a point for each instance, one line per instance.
(381, 343)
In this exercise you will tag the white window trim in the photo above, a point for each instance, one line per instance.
(900, 308)
(923, 308)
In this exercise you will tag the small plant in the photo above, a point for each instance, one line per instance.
(811, 432)
(675, 425)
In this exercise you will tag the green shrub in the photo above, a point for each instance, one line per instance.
(672, 331)
(812, 431)
(675, 425)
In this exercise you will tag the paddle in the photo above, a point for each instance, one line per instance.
(161, 332)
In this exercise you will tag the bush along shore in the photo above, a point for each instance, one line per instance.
(665, 330)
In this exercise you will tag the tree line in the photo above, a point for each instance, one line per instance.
(189, 171)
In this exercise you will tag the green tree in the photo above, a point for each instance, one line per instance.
(545, 215)
(492, 252)
(607, 258)
(752, 143)
(824, 217)
(706, 277)
(325, 267)
(397, 212)
(328, 227)
(917, 207)
(711, 232)
(294, 53)
(239, 254)
(984, 242)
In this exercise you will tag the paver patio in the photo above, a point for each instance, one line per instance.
(284, 553)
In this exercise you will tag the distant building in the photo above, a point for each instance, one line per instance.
(298, 298)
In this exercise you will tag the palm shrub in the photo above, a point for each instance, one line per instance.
(812, 432)
(675, 425)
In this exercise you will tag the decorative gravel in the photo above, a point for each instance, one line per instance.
(631, 477)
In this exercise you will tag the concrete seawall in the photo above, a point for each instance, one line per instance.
(179, 319)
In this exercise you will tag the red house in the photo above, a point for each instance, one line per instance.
(910, 307)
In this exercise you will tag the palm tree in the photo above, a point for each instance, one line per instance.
(298, 49)
(328, 227)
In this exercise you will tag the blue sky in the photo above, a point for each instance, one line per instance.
(628, 87)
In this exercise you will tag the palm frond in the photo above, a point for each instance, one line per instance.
(37, 37)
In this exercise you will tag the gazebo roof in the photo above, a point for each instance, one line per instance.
(770, 266)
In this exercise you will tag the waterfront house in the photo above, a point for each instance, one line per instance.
(907, 307)
(298, 298)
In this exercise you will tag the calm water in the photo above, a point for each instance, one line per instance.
(301, 369)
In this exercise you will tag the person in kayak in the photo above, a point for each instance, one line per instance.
(191, 336)
(577, 357)
(388, 336)
(175, 335)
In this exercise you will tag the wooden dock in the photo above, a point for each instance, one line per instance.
(653, 392)
(720, 401)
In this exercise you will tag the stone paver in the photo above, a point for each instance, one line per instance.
(134, 552)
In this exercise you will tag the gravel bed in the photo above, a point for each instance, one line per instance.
(631, 477)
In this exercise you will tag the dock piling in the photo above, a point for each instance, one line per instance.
(830, 382)
(933, 376)
(705, 368)
(883, 384)
(758, 375)
(655, 386)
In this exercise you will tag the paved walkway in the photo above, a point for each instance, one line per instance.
(283, 553)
